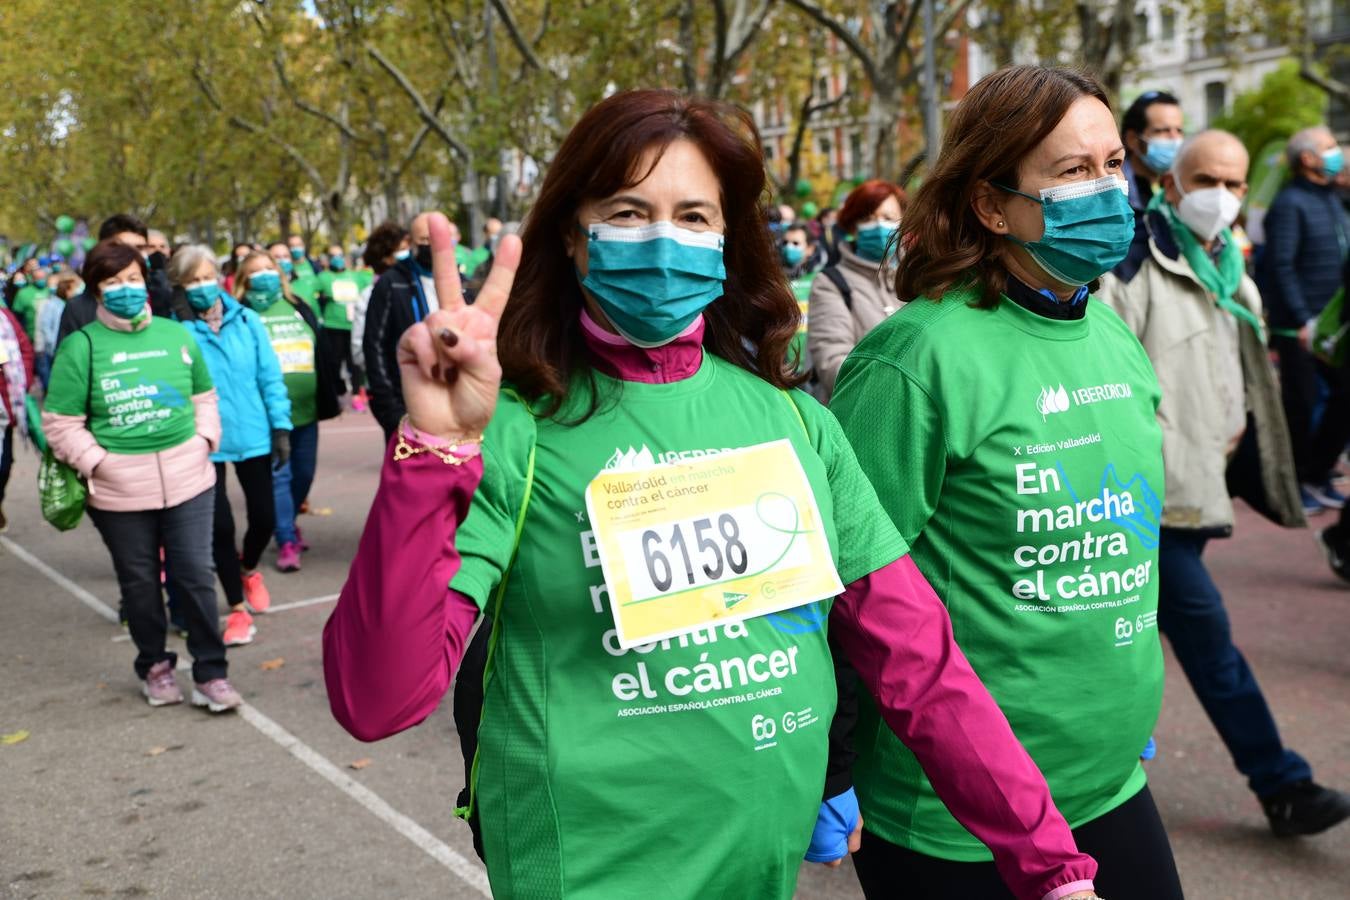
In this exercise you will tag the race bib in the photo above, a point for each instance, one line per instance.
(714, 540)
(296, 355)
(345, 291)
(4, 353)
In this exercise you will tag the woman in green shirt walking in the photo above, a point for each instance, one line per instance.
(132, 408)
(665, 534)
(1007, 423)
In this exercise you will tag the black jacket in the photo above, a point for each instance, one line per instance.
(82, 310)
(1307, 236)
(395, 305)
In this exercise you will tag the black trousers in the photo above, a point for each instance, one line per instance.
(6, 459)
(1315, 449)
(1129, 843)
(255, 477)
(340, 349)
(134, 540)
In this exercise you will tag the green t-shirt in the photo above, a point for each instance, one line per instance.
(26, 303)
(306, 287)
(648, 772)
(343, 289)
(138, 396)
(1021, 458)
(801, 289)
(294, 343)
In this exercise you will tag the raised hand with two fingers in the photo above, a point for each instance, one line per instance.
(448, 361)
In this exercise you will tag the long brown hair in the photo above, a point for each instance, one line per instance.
(1003, 118)
(752, 325)
(241, 283)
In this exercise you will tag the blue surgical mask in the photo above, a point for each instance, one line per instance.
(793, 255)
(1088, 229)
(337, 263)
(652, 282)
(264, 288)
(287, 266)
(1161, 153)
(873, 238)
(125, 300)
(202, 295)
(297, 253)
(1333, 161)
(401, 255)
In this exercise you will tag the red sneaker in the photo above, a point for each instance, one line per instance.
(255, 593)
(239, 628)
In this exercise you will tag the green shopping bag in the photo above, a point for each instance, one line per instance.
(1329, 332)
(35, 431)
(62, 492)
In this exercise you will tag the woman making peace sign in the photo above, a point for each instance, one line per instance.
(659, 687)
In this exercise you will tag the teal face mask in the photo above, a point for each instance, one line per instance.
(297, 253)
(264, 289)
(873, 239)
(1088, 229)
(125, 300)
(652, 282)
(337, 263)
(287, 266)
(793, 255)
(1333, 161)
(202, 296)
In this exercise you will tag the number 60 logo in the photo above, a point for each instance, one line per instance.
(763, 728)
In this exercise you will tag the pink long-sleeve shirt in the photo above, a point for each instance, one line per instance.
(398, 632)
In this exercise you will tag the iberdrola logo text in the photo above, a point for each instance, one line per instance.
(1057, 399)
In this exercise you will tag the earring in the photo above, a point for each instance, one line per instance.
(1000, 223)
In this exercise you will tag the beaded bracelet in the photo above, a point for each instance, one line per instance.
(447, 453)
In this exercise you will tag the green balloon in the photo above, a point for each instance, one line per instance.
(89, 243)
(65, 246)
(65, 224)
(803, 187)
(809, 209)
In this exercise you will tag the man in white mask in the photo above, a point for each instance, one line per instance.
(1198, 316)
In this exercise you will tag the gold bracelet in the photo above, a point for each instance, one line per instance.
(447, 453)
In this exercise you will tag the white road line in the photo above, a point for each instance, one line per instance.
(299, 604)
(471, 873)
(280, 607)
(74, 589)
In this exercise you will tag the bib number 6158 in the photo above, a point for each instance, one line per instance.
(719, 549)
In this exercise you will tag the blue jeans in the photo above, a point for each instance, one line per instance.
(1192, 615)
(292, 481)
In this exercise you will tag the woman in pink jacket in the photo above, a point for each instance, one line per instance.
(131, 407)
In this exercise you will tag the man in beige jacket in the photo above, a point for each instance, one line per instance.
(1198, 316)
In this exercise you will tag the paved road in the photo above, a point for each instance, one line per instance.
(109, 798)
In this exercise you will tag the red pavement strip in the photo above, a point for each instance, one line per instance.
(470, 873)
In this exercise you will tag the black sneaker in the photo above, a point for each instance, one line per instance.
(1305, 807)
(1335, 558)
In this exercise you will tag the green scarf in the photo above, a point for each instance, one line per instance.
(1222, 279)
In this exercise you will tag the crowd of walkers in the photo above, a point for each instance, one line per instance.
(1008, 412)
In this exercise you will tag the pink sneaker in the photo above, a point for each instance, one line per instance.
(239, 628)
(255, 592)
(161, 687)
(217, 695)
(359, 402)
(288, 557)
(300, 539)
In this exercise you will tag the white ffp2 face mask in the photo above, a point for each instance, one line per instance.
(1208, 210)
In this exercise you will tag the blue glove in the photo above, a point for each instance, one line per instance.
(836, 820)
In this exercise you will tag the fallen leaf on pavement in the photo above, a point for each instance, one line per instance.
(21, 736)
(269, 665)
(322, 511)
(156, 751)
(360, 763)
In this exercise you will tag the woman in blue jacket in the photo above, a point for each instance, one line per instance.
(255, 412)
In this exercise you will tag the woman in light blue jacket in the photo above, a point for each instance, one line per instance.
(255, 414)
